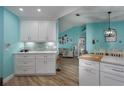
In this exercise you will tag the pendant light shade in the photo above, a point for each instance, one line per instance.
(109, 32)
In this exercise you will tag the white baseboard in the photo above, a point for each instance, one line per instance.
(5, 80)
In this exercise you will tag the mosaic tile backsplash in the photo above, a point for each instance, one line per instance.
(49, 46)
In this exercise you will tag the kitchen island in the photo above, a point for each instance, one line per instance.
(101, 70)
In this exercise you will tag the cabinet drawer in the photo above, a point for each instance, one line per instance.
(107, 79)
(24, 56)
(25, 70)
(91, 64)
(46, 55)
(24, 63)
(41, 56)
(112, 69)
(17, 60)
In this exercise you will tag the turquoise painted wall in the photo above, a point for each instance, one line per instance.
(1, 40)
(96, 31)
(74, 33)
(11, 36)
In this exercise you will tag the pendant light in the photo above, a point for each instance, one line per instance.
(109, 32)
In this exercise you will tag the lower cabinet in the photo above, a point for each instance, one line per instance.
(88, 77)
(45, 64)
(24, 64)
(104, 74)
(35, 64)
(111, 75)
(88, 73)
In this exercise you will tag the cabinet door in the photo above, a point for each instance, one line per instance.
(52, 31)
(24, 30)
(42, 33)
(51, 65)
(29, 31)
(88, 77)
(34, 31)
(40, 66)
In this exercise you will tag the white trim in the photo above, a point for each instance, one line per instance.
(5, 80)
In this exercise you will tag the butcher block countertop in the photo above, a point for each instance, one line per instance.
(91, 57)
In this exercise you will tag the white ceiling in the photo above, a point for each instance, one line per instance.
(89, 14)
(48, 12)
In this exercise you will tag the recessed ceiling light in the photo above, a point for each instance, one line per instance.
(38, 10)
(20, 9)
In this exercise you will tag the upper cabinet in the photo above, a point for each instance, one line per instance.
(42, 33)
(29, 31)
(52, 31)
(38, 31)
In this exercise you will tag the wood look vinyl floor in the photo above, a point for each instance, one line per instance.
(68, 76)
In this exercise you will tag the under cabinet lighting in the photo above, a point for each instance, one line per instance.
(38, 10)
(20, 9)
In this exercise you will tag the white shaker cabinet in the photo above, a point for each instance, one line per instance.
(36, 64)
(29, 31)
(38, 31)
(51, 63)
(45, 64)
(111, 75)
(52, 31)
(88, 73)
(24, 64)
(42, 31)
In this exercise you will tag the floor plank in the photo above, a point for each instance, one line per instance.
(68, 76)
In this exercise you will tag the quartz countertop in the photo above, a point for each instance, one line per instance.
(36, 52)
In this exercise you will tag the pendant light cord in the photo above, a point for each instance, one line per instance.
(109, 18)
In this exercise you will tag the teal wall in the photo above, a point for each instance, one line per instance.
(74, 33)
(11, 36)
(1, 40)
(96, 31)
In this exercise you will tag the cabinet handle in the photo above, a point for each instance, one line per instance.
(111, 78)
(88, 64)
(117, 70)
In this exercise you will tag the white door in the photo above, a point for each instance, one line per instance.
(42, 33)
(40, 66)
(29, 31)
(52, 31)
(88, 77)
